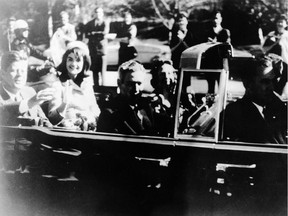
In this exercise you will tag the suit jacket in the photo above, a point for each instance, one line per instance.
(96, 34)
(9, 109)
(222, 36)
(178, 46)
(119, 117)
(243, 122)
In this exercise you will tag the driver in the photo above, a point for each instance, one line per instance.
(128, 112)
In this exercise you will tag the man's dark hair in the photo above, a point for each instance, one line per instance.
(253, 66)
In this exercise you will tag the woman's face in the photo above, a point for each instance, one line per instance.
(166, 75)
(74, 65)
(281, 25)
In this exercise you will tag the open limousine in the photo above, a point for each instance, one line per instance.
(199, 161)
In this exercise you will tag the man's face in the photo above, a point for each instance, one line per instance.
(15, 76)
(262, 88)
(64, 19)
(99, 14)
(128, 18)
(281, 25)
(183, 22)
(132, 86)
(217, 19)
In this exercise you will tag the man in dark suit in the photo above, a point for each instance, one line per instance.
(96, 32)
(181, 38)
(128, 112)
(19, 104)
(260, 116)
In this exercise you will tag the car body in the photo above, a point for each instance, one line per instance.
(148, 50)
(209, 175)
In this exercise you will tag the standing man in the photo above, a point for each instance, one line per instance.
(96, 32)
(277, 40)
(127, 33)
(64, 34)
(216, 33)
(66, 31)
(8, 35)
(182, 38)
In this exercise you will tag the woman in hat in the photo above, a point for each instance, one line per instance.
(75, 105)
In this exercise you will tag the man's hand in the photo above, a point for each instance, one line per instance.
(181, 35)
(41, 96)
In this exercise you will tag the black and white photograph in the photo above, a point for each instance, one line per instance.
(143, 107)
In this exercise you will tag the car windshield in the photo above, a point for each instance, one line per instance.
(198, 105)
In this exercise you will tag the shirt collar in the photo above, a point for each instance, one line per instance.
(259, 108)
(11, 95)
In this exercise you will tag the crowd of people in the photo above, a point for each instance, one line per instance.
(79, 65)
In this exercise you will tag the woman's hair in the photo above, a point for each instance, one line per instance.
(79, 52)
(156, 68)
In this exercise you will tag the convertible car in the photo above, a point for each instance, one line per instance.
(194, 167)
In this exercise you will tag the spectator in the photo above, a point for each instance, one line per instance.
(260, 116)
(251, 31)
(8, 35)
(17, 99)
(128, 112)
(74, 104)
(216, 33)
(64, 34)
(96, 31)
(127, 33)
(277, 41)
(182, 38)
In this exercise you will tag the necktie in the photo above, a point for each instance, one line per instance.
(18, 98)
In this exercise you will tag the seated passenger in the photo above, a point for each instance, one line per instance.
(75, 105)
(19, 104)
(129, 112)
(164, 81)
(260, 116)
